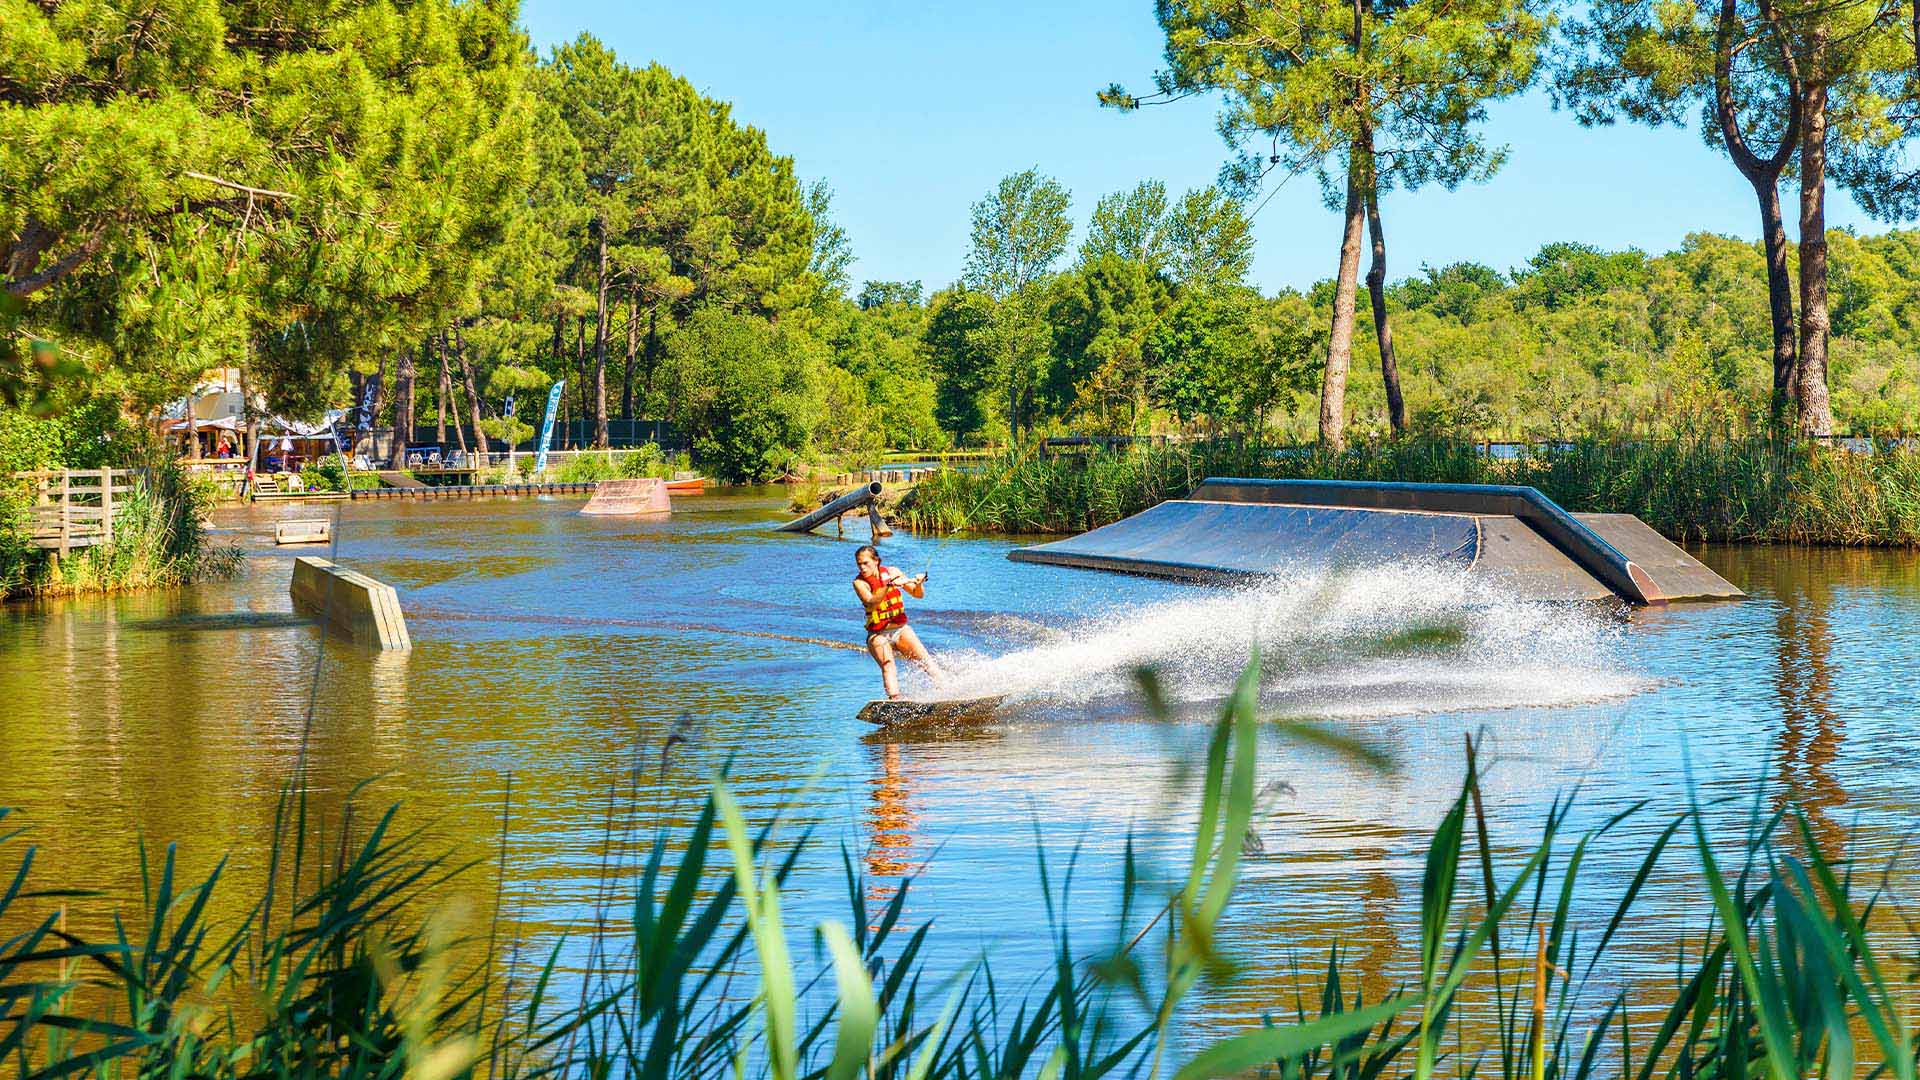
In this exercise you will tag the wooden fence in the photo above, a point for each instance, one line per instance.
(74, 508)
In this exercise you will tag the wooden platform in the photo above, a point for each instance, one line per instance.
(309, 531)
(74, 508)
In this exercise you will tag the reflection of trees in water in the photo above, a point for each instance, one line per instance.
(891, 819)
(1810, 732)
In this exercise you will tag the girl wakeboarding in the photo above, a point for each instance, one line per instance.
(880, 589)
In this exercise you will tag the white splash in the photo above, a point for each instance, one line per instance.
(1388, 640)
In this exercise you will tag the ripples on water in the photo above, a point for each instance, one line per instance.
(562, 650)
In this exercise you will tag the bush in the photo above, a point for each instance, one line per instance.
(327, 474)
(751, 393)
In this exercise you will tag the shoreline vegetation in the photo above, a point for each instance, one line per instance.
(353, 966)
(1702, 488)
(160, 539)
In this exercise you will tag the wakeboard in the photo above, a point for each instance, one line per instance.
(952, 711)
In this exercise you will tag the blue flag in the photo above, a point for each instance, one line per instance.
(546, 429)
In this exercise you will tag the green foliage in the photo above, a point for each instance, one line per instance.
(1019, 231)
(750, 392)
(327, 474)
(507, 430)
(362, 155)
(638, 463)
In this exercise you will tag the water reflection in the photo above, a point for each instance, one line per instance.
(891, 821)
(1811, 733)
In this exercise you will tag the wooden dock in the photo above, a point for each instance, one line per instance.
(74, 508)
(477, 491)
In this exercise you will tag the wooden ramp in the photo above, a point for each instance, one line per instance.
(629, 498)
(399, 478)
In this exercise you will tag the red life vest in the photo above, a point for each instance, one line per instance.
(889, 610)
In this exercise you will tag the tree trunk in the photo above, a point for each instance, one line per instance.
(1333, 381)
(453, 398)
(652, 355)
(1764, 175)
(440, 395)
(633, 348)
(253, 434)
(402, 409)
(1786, 360)
(573, 376)
(1816, 411)
(600, 331)
(374, 410)
(1377, 294)
(472, 388)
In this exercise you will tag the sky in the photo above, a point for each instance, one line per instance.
(913, 112)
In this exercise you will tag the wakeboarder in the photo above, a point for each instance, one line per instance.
(881, 590)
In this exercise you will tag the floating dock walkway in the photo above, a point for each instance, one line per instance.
(475, 491)
(1233, 528)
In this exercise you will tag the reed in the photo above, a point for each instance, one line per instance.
(345, 976)
(1703, 488)
(160, 539)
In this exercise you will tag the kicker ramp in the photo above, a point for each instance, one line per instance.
(1232, 528)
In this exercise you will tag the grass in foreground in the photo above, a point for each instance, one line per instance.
(1703, 488)
(702, 979)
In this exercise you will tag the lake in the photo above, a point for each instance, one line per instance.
(559, 653)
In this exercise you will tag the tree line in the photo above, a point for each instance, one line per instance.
(330, 191)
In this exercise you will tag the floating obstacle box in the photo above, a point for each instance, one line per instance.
(346, 600)
(1232, 529)
(308, 531)
(629, 498)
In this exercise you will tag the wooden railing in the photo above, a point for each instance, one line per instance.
(74, 508)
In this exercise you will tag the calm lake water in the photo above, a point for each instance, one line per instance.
(560, 651)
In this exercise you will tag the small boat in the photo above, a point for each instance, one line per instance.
(691, 485)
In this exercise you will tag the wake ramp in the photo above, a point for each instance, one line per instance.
(1234, 528)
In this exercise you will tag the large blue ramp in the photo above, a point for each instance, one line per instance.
(1231, 528)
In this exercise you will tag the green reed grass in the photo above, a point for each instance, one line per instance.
(1706, 488)
(691, 970)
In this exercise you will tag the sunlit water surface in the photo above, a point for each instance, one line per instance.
(557, 652)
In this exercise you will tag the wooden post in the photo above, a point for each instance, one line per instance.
(66, 511)
(106, 504)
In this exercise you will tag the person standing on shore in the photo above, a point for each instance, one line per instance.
(880, 589)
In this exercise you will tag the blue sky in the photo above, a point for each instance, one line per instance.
(913, 112)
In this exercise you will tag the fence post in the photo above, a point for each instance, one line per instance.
(66, 510)
(106, 504)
